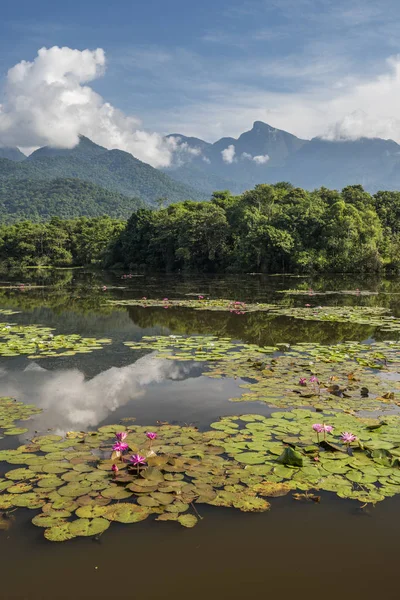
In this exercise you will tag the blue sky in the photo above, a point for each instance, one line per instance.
(210, 69)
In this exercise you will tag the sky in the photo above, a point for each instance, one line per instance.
(126, 73)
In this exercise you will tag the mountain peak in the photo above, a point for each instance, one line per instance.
(261, 126)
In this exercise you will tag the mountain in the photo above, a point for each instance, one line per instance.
(113, 170)
(39, 200)
(12, 154)
(268, 155)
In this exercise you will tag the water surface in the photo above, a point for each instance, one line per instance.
(297, 549)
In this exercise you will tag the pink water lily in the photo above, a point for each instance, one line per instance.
(104, 288)
(327, 428)
(314, 379)
(318, 427)
(151, 435)
(347, 437)
(114, 469)
(307, 305)
(165, 299)
(201, 297)
(120, 447)
(137, 459)
(302, 381)
(121, 436)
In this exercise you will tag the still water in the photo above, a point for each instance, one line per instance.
(296, 549)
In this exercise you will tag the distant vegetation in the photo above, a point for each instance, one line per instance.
(39, 200)
(271, 229)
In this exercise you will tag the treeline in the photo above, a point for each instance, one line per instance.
(272, 228)
(58, 243)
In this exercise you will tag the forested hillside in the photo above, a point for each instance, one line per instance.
(39, 200)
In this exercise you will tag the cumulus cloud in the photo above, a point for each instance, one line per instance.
(48, 102)
(228, 155)
(260, 159)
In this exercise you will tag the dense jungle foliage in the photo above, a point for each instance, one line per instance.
(272, 228)
(58, 242)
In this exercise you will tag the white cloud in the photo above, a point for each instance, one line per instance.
(48, 102)
(228, 155)
(261, 159)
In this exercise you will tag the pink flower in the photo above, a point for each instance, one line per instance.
(201, 297)
(314, 379)
(120, 447)
(151, 435)
(137, 459)
(121, 436)
(348, 437)
(327, 428)
(104, 288)
(165, 299)
(302, 381)
(114, 468)
(144, 298)
(307, 305)
(318, 427)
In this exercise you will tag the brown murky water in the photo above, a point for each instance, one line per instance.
(301, 550)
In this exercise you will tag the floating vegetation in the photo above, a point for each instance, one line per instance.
(347, 376)
(201, 303)
(362, 315)
(7, 312)
(311, 292)
(37, 342)
(84, 482)
(12, 411)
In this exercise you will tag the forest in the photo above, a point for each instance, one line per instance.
(271, 229)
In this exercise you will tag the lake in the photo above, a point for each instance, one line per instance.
(297, 548)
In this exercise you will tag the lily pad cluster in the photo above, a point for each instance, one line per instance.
(81, 484)
(346, 376)
(12, 411)
(362, 315)
(80, 490)
(38, 342)
(202, 303)
(285, 448)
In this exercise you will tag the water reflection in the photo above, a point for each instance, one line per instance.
(72, 402)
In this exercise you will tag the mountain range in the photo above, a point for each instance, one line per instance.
(113, 170)
(263, 154)
(268, 155)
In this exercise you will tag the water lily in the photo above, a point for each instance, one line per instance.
(347, 437)
(120, 447)
(114, 469)
(151, 435)
(327, 428)
(121, 436)
(165, 299)
(314, 379)
(302, 381)
(137, 459)
(104, 288)
(201, 297)
(144, 298)
(318, 427)
(307, 305)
